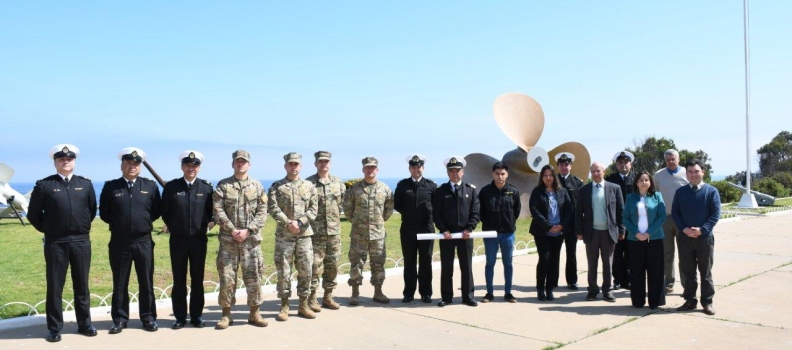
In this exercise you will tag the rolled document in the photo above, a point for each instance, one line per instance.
(457, 235)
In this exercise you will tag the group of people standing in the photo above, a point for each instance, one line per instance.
(630, 223)
(308, 213)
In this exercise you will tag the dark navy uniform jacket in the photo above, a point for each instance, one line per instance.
(187, 212)
(130, 212)
(458, 211)
(626, 183)
(62, 212)
(414, 202)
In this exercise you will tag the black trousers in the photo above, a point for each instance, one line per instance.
(621, 264)
(412, 250)
(647, 267)
(696, 253)
(464, 252)
(58, 257)
(122, 256)
(184, 251)
(570, 241)
(547, 270)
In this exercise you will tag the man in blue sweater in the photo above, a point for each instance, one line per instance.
(696, 210)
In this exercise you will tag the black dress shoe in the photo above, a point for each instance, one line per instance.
(709, 310)
(426, 299)
(407, 299)
(609, 297)
(89, 331)
(178, 324)
(572, 286)
(118, 327)
(53, 337)
(591, 296)
(471, 302)
(550, 294)
(616, 286)
(540, 294)
(198, 322)
(688, 305)
(150, 326)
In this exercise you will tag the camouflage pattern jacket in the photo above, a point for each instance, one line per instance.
(367, 207)
(239, 205)
(331, 204)
(292, 200)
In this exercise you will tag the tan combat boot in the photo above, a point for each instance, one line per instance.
(226, 320)
(312, 303)
(283, 315)
(328, 301)
(354, 300)
(255, 317)
(305, 310)
(379, 297)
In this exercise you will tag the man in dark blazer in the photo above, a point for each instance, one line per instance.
(130, 205)
(455, 208)
(624, 177)
(62, 206)
(413, 200)
(572, 183)
(598, 222)
(186, 209)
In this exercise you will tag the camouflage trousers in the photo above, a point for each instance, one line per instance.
(361, 247)
(300, 251)
(230, 257)
(326, 252)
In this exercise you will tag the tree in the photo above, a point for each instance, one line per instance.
(776, 156)
(649, 156)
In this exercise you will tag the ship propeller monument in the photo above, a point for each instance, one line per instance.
(521, 118)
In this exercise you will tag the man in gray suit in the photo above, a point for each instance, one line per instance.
(598, 222)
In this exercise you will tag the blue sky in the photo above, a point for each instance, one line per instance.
(387, 79)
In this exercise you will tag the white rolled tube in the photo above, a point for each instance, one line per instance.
(456, 235)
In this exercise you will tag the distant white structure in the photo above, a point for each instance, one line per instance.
(757, 197)
(8, 196)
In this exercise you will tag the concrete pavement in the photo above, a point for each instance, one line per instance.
(752, 271)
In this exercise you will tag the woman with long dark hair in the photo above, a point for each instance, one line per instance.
(643, 217)
(551, 210)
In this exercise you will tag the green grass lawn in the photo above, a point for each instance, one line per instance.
(784, 201)
(22, 261)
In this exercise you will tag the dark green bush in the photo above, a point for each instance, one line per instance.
(728, 193)
(771, 187)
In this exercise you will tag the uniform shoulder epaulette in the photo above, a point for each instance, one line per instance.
(207, 182)
(429, 180)
(109, 181)
(470, 185)
(83, 177)
(404, 180)
(145, 179)
(176, 179)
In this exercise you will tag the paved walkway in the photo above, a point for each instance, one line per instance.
(752, 271)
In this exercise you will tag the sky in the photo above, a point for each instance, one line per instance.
(383, 79)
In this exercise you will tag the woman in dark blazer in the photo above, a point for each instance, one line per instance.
(551, 210)
(643, 217)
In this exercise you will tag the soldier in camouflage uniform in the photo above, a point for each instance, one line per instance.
(240, 209)
(292, 203)
(326, 228)
(367, 205)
